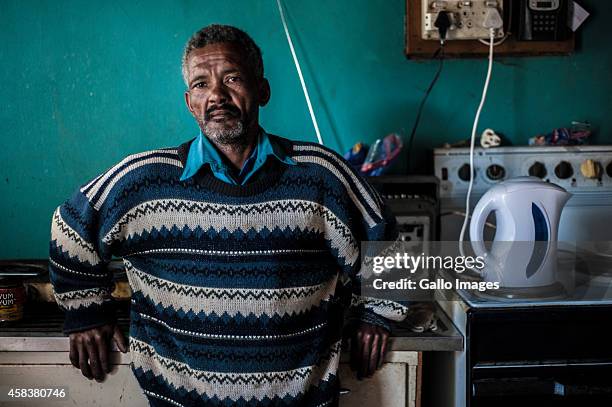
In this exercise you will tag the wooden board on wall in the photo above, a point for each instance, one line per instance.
(418, 48)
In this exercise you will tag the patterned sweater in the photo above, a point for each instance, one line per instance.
(239, 293)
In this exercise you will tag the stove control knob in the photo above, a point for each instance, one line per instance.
(537, 169)
(609, 170)
(495, 172)
(464, 172)
(591, 169)
(564, 170)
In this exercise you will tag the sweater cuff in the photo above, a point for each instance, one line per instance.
(84, 318)
(369, 317)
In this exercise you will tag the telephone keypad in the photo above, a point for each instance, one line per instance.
(544, 22)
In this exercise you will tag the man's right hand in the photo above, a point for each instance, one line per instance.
(90, 350)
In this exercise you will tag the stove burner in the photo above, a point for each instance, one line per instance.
(554, 291)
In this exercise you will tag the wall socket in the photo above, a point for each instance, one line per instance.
(467, 18)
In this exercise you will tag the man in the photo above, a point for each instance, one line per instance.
(241, 248)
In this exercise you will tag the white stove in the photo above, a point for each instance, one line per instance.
(525, 347)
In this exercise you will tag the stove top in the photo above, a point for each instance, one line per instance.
(583, 295)
(575, 288)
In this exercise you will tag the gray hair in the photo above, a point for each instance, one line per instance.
(217, 33)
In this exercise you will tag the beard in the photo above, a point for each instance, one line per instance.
(230, 131)
(224, 133)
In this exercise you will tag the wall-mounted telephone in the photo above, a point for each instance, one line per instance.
(542, 20)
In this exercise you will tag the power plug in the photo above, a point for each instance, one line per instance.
(443, 23)
(493, 20)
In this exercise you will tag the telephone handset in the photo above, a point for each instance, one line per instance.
(543, 20)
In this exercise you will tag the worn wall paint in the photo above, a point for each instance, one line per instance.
(85, 84)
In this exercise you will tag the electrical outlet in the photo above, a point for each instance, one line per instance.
(467, 18)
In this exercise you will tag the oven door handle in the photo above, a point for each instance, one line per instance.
(517, 386)
(531, 387)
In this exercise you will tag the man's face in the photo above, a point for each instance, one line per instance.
(223, 95)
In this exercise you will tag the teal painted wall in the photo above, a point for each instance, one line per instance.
(83, 85)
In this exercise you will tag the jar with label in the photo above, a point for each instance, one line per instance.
(12, 299)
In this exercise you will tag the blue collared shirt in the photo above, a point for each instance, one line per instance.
(203, 152)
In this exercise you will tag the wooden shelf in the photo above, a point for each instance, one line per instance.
(418, 48)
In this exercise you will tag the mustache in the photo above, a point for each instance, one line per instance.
(231, 109)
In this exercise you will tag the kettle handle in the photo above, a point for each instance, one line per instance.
(483, 208)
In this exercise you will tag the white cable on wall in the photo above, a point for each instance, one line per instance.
(473, 139)
(299, 71)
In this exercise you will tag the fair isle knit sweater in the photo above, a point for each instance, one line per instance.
(239, 293)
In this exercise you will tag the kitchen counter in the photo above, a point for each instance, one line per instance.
(41, 330)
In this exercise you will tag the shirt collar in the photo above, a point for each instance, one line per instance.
(202, 151)
(268, 146)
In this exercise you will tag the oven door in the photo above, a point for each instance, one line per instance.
(558, 355)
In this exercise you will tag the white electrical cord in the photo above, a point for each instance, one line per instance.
(498, 42)
(473, 139)
(299, 71)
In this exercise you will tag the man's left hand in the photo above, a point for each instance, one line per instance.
(368, 347)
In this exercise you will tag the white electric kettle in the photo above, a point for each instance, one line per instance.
(524, 251)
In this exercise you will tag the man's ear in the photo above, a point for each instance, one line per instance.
(188, 101)
(264, 92)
